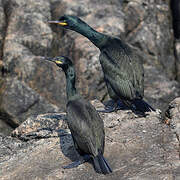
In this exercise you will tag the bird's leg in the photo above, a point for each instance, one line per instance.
(75, 164)
(136, 111)
(112, 106)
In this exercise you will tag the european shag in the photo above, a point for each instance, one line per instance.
(84, 122)
(123, 71)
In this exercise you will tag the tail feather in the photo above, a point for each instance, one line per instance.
(101, 165)
(142, 106)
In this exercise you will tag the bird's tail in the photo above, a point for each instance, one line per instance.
(142, 106)
(101, 165)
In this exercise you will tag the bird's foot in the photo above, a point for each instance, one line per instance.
(75, 164)
(112, 106)
(138, 113)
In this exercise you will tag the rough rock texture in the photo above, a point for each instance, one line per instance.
(27, 84)
(25, 36)
(148, 27)
(25, 102)
(177, 55)
(175, 9)
(136, 148)
(159, 90)
(172, 117)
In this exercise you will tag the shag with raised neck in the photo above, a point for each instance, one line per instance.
(84, 122)
(122, 68)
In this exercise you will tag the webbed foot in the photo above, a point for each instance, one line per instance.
(112, 106)
(75, 164)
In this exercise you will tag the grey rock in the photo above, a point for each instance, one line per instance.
(136, 148)
(172, 118)
(5, 127)
(159, 90)
(175, 7)
(148, 26)
(177, 53)
(19, 101)
(28, 84)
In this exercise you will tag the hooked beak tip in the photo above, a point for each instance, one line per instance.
(58, 22)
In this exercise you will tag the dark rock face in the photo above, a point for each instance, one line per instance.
(159, 90)
(25, 102)
(136, 148)
(27, 84)
(25, 36)
(175, 7)
(148, 27)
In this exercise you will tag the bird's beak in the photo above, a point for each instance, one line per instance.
(58, 62)
(54, 60)
(62, 23)
(49, 59)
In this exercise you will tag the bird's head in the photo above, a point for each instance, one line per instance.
(67, 21)
(61, 61)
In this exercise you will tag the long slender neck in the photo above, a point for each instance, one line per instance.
(97, 38)
(70, 83)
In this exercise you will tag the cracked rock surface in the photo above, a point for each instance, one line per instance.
(136, 148)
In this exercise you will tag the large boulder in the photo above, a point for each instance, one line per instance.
(136, 148)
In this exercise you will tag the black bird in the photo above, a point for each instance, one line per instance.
(123, 71)
(84, 122)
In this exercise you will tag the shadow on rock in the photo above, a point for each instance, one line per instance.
(67, 146)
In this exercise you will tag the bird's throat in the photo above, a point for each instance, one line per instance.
(70, 84)
(97, 38)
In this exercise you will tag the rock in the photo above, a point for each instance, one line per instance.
(41, 126)
(175, 8)
(2, 27)
(19, 101)
(177, 53)
(172, 117)
(148, 27)
(5, 127)
(28, 85)
(136, 148)
(159, 90)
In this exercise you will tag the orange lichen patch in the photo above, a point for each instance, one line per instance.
(167, 121)
(100, 29)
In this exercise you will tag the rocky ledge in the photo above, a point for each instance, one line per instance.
(136, 148)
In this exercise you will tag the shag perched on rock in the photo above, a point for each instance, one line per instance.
(84, 122)
(123, 71)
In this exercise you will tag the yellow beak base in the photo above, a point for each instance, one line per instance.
(63, 23)
(59, 62)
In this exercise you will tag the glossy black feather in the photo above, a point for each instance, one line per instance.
(86, 126)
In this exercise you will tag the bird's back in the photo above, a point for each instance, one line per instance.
(122, 69)
(86, 126)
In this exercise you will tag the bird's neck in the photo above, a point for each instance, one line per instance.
(70, 83)
(97, 38)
